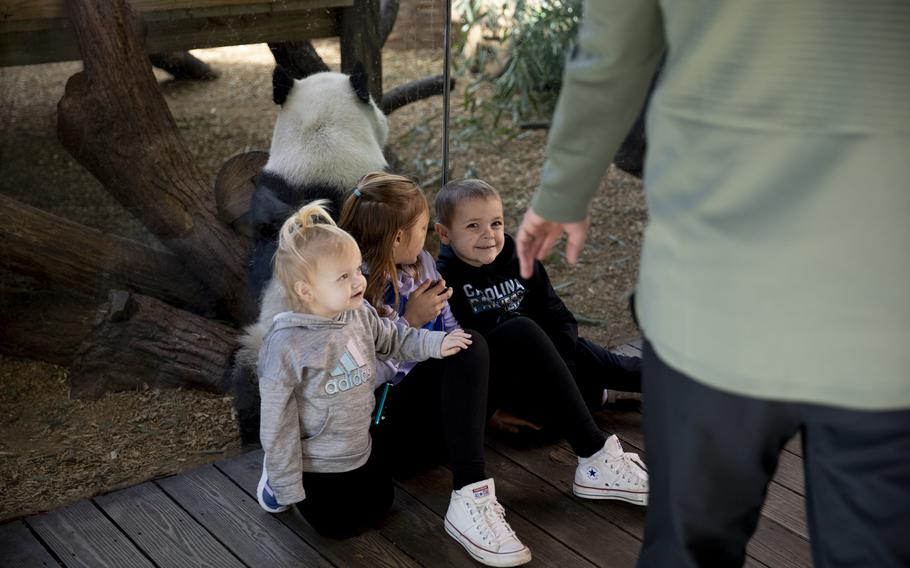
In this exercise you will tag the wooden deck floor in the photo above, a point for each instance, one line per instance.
(209, 517)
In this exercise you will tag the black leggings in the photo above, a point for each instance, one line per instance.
(438, 412)
(342, 505)
(530, 379)
(597, 368)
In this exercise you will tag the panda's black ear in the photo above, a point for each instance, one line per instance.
(282, 83)
(360, 82)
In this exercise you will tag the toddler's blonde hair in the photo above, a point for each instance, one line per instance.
(306, 237)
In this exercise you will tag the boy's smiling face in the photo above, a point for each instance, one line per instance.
(476, 234)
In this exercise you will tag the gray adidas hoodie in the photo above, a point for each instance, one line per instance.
(316, 379)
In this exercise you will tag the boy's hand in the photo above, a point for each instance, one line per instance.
(508, 422)
(455, 342)
(426, 302)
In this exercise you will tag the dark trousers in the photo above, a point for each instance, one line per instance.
(529, 378)
(438, 412)
(597, 368)
(342, 505)
(711, 455)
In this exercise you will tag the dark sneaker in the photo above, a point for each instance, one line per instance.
(266, 496)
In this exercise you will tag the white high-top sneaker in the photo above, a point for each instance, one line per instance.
(612, 474)
(477, 521)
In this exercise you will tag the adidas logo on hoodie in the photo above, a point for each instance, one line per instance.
(351, 371)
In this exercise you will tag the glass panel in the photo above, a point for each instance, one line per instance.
(125, 230)
(507, 60)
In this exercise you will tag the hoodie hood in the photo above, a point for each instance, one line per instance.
(310, 321)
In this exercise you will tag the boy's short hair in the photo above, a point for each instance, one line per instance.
(458, 191)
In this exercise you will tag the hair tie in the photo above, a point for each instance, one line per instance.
(357, 192)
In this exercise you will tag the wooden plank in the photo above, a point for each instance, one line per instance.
(562, 515)
(369, 549)
(556, 463)
(80, 535)
(795, 446)
(19, 547)
(630, 349)
(433, 490)
(18, 10)
(178, 35)
(790, 473)
(27, 47)
(782, 506)
(167, 534)
(418, 531)
(253, 535)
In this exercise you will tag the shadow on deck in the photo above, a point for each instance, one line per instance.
(210, 517)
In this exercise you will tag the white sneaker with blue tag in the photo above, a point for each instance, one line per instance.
(477, 521)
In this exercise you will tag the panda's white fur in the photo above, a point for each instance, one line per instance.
(324, 135)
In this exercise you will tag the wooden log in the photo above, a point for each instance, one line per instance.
(44, 325)
(83, 259)
(234, 187)
(115, 122)
(137, 340)
(184, 66)
(361, 42)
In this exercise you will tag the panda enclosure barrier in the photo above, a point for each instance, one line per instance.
(163, 317)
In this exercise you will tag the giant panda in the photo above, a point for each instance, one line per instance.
(328, 134)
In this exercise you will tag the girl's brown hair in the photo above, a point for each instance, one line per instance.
(308, 235)
(381, 205)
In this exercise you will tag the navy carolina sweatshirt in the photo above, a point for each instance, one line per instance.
(485, 296)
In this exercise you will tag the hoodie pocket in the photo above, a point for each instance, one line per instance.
(311, 433)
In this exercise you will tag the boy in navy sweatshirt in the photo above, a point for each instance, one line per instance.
(478, 260)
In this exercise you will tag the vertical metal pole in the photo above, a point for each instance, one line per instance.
(446, 41)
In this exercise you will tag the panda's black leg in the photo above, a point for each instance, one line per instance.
(246, 402)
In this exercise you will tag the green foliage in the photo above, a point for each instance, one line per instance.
(515, 70)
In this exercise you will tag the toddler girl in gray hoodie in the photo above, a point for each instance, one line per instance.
(316, 377)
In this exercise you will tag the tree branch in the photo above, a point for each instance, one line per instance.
(299, 58)
(83, 259)
(115, 122)
(388, 14)
(414, 91)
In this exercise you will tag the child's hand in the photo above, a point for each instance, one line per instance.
(455, 342)
(508, 422)
(426, 302)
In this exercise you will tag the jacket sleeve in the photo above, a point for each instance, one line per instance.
(553, 315)
(395, 340)
(279, 428)
(604, 86)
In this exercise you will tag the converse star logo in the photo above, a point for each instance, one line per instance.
(592, 473)
(480, 492)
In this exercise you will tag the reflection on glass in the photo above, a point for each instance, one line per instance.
(124, 214)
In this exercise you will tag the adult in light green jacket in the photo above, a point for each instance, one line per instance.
(774, 291)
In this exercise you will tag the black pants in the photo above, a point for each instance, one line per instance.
(597, 368)
(712, 454)
(342, 505)
(529, 378)
(439, 412)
